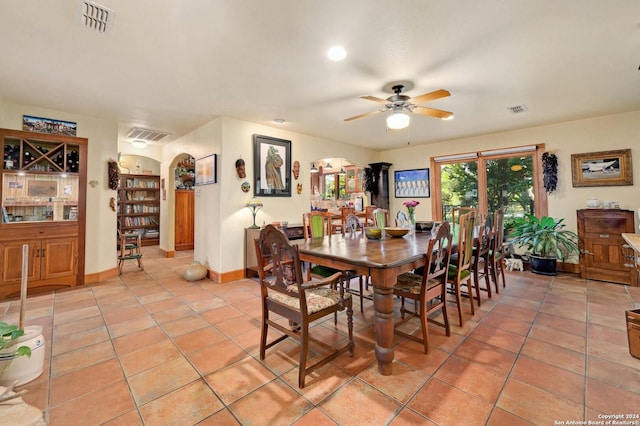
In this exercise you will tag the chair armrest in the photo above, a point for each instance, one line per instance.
(333, 279)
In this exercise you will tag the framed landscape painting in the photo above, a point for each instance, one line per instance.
(207, 170)
(604, 168)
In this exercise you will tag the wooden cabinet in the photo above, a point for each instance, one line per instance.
(602, 255)
(139, 207)
(184, 213)
(43, 184)
(380, 192)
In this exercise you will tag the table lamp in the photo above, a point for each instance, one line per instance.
(254, 205)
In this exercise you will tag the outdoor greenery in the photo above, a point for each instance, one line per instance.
(509, 184)
(8, 336)
(545, 237)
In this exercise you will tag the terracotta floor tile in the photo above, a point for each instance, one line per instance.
(568, 325)
(187, 405)
(221, 314)
(82, 381)
(412, 353)
(559, 338)
(131, 325)
(408, 417)
(184, 325)
(618, 323)
(500, 417)
(173, 314)
(76, 315)
(497, 337)
(506, 323)
(198, 339)
(444, 404)
(88, 355)
(235, 326)
(320, 383)
(564, 383)
(614, 374)
(357, 403)
(272, 404)
(148, 357)
(471, 377)
(315, 417)
(69, 342)
(536, 405)
(607, 334)
(139, 339)
(164, 305)
(202, 305)
(131, 418)
(95, 407)
(611, 399)
(489, 355)
(237, 380)
(555, 355)
(160, 380)
(401, 385)
(221, 418)
(214, 357)
(78, 326)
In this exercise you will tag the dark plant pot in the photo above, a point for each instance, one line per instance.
(543, 265)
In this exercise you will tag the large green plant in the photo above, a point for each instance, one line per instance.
(545, 237)
(8, 336)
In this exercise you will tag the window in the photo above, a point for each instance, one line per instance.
(334, 186)
(490, 180)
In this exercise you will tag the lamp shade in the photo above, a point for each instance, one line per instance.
(398, 120)
(314, 169)
(254, 202)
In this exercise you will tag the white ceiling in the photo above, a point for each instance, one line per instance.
(174, 65)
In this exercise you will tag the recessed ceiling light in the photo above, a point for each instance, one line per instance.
(139, 143)
(278, 120)
(337, 53)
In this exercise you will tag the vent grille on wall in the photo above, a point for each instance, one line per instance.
(147, 135)
(517, 109)
(96, 17)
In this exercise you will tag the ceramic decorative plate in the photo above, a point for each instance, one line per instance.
(245, 186)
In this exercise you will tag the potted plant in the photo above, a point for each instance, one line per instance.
(546, 240)
(10, 336)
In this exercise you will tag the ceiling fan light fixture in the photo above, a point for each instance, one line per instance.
(398, 120)
(448, 117)
(337, 53)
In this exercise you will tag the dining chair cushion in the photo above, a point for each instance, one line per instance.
(410, 282)
(323, 271)
(317, 298)
(453, 272)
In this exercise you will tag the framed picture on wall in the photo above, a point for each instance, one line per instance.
(412, 183)
(271, 167)
(604, 168)
(207, 170)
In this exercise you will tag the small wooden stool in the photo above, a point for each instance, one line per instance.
(130, 249)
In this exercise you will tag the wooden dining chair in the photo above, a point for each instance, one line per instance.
(496, 253)
(284, 292)
(459, 273)
(368, 214)
(317, 225)
(457, 212)
(381, 218)
(337, 226)
(480, 263)
(427, 289)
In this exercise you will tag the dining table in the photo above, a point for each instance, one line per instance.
(383, 260)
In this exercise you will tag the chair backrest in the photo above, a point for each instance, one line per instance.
(459, 211)
(381, 218)
(402, 220)
(484, 238)
(346, 211)
(316, 224)
(352, 225)
(438, 255)
(281, 268)
(368, 214)
(465, 240)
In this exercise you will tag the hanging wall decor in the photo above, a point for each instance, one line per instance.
(550, 171)
(114, 174)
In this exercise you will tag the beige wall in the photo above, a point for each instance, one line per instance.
(103, 146)
(619, 131)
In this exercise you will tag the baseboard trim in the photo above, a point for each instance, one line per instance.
(225, 277)
(100, 276)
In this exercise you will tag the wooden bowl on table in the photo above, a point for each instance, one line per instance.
(396, 232)
(373, 233)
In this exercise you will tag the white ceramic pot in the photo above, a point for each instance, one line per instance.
(593, 203)
(195, 272)
(21, 368)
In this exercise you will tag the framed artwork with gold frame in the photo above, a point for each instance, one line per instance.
(603, 168)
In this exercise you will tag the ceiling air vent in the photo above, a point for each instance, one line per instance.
(147, 135)
(96, 17)
(518, 109)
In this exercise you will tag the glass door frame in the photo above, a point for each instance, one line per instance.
(481, 157)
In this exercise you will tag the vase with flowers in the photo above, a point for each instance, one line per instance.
(411, 210)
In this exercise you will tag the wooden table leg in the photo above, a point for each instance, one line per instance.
(383, 322)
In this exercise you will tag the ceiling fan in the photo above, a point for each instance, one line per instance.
(399, 103)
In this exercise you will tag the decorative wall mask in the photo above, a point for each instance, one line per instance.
(240, 168)
(299, 188)
(296, 170)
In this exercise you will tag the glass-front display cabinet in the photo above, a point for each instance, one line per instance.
(43, 183)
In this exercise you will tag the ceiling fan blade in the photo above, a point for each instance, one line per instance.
(362, 115)
(432, 112)
(431, 96)
(374, 99)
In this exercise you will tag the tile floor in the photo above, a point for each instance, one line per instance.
(150, 348)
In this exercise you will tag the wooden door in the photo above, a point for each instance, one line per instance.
(184, 213)
(59, 257)
(11, 261)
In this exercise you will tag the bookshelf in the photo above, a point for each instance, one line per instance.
(139, 207)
